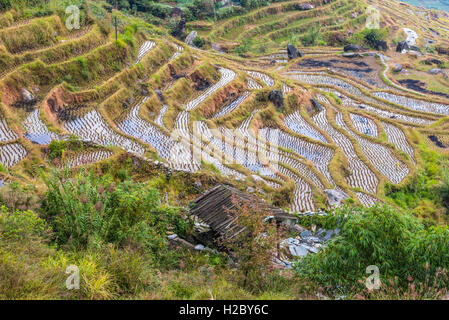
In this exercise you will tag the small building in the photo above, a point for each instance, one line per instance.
(213, 208)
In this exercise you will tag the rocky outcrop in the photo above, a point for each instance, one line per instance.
(178, 16)
(174, 74)
(352, 48)
(144, 90)
(189, 39)
(335, 197)
(433, 61)
(176, 12)
(397, 67)
(381, 45)
(128, 103)
(317, 105)
(277, 97)
(291, 51)
(305, 6)
(435, 71)
(306, 243)
(26, 101)
(160, 96)
(27, 97)
(443, 50)
(403, 45)
(180, 29)
(351, 55)
(200, 83)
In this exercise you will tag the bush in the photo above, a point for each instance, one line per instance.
(254, 4)
(228, 12)
(370, 37)
(254, 247)
(199, 42)
(92, 210)
(312, 37)
(443, 188)
(398, 244)
(21, 225)
(424, 194)
(56, 149)
(18, 197)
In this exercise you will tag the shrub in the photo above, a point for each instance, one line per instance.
(254, 247)
(18, 197)
(254, 4)
(228, 12)
(21, 225)
(91, 210)
(56, 149)
(443, 187)
(199, 42)
(312, 37)
(370, 37)
(398, 244)
(159, 10)
(424, 193)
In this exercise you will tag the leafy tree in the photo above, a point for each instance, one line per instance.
(398, 244)
(254, 247)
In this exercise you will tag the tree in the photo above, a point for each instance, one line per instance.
(397, 243)
(255, 246)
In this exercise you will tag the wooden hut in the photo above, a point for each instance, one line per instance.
(213, 208)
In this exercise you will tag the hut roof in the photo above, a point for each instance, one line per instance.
(213, 207)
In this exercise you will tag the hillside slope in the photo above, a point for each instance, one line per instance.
(360, 132)
(107, 132)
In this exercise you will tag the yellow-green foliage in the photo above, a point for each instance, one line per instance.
(66, 50)
(6, 19)
(151, 105)
(113, 106)
(38, 33)
(80, 71)
(181, 91)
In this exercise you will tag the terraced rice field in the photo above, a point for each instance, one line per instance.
(364, 125)
(361, 175)
(232, 106)
(6, 134)
(366, 199)
(298, 124)
(36, 130)
(227, 76)
(144, 49)
(11, 154)
(92, 127)
(418, 105)
(383, 113)
(86, 158)
(263, 77)
(357, 138)
(397, 137)
(175, 153)
(160, 118)
(378, 155)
